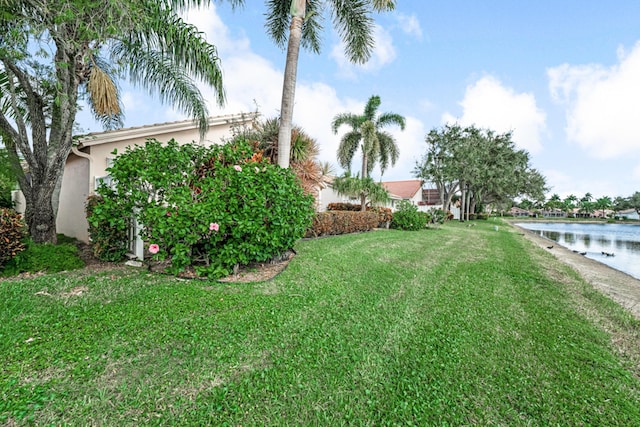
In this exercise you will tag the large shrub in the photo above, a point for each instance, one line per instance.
(12, 235)
(211, 207)
(408, 217)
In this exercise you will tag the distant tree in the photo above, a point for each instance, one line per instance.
(366, 189)
(54, 52)
(437, 164)
(554, 202)
(570, 202)
(484, 166)
(634, 201)
(602, 204)
(621, 203)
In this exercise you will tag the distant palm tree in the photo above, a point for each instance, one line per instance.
(367, 135)
(603, 203)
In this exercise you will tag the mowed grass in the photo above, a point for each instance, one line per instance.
(456, 326)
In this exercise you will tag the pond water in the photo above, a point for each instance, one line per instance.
(620, 241)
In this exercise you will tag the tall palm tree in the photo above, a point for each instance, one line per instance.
(92, 44)
(367, 135)
(301, 21)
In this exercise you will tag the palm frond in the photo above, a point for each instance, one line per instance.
(157, 73)
(312, 27)
(277, 22)
(349, 144)
(352, 19)
(389, 151)
(161, 30)
(350, 119)
(387, 119)
(371, 108)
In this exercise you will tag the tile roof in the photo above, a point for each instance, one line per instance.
(403, 189)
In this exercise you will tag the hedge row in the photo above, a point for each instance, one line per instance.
(342, 222)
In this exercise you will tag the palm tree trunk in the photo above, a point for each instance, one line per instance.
(298, 11)
(363, 175)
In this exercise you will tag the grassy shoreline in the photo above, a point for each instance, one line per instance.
(460, 325)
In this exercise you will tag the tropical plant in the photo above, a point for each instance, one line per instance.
(554, 202)
(55, 52)
(303, 153)
(570, 203)
(298, 22)
(365, 189)
(603, 203)
(367, 135)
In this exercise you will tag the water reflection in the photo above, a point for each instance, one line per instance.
(596, 240)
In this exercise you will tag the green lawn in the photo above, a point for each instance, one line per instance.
(456, 326)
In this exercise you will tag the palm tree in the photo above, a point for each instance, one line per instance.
(92, 43)
(367, 135)
(603, 203)
(301, 20)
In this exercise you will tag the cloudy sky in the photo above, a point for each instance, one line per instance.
(563, 75)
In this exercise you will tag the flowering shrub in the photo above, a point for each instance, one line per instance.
(209, 207)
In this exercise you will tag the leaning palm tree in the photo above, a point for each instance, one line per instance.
(299, 22)
(367, 135)
(93, 43)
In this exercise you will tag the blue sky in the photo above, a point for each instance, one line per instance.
(563, 75)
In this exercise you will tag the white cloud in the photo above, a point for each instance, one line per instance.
(602, 104)
(410, 25)
(489, 104)
(383, 53)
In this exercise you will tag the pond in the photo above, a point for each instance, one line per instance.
(616, 245)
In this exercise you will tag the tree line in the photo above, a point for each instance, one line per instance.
(586, 204)
(482, 166)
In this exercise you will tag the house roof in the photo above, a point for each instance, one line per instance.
(403, 189)
(157, 129)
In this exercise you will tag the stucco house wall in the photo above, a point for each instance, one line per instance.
(87, 163)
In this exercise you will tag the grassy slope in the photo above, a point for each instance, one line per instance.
(453, 326)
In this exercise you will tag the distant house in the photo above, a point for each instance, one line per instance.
(628, 214)
(519, 212)
(408, 190)
(430, 197)
(86, 165)
(554, 213)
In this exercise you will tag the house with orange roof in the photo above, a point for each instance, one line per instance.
(409, 190)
